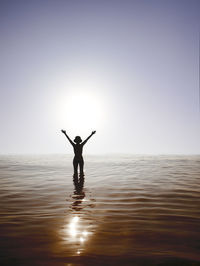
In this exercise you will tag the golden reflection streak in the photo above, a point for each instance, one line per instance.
(82, 239)
(74, 232)
(85, 233)
(73, 226)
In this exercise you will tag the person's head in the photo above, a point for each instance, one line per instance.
(77, 139)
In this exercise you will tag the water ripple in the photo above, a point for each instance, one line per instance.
(128, 209)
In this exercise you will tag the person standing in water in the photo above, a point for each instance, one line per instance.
(78, 150)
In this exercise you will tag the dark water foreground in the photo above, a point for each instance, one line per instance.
(129, 210)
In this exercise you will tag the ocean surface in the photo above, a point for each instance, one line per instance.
(127, 210)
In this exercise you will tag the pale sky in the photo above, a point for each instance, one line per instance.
(129, 69)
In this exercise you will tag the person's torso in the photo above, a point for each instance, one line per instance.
(78, 150)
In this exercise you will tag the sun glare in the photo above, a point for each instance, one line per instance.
(81, 111)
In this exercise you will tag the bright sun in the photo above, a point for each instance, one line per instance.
(81, 111)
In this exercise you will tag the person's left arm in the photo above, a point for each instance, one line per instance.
(93, 132)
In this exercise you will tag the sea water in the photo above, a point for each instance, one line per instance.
(127, 210)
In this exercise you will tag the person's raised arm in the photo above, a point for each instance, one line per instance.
(64, 132)
(93, 132)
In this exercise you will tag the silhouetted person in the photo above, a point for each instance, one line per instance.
(78, 150)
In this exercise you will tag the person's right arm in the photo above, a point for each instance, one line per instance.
(64, 132)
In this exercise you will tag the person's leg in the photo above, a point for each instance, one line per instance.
(75, 164)
(81, 165)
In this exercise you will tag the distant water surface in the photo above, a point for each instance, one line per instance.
(128, 210)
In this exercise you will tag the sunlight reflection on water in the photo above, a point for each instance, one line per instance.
(73, 226)
(74, 232)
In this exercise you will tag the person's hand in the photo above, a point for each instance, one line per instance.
(93, 132)
(63, 131)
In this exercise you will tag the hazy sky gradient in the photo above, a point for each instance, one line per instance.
(137, 61)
